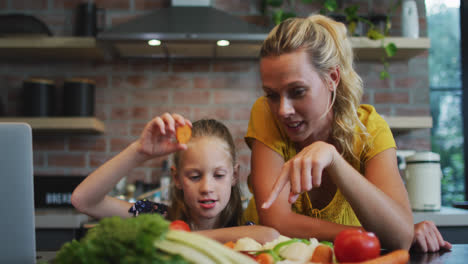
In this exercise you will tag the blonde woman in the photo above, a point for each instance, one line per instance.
(321, 162)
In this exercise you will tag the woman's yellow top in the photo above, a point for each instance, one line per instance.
(264, 127)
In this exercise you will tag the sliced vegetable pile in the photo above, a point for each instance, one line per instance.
(350, 246)
(145, 239)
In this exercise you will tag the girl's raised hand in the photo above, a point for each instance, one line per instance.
(303, 171)
(158, 136)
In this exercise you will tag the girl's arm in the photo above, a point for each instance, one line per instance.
(261, 234)
(378, 199)
(156, 140)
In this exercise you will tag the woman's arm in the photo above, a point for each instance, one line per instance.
(156, 140)
(266, 166)
(378, 199)
(261, 234)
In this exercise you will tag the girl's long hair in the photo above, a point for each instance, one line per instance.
(232, 213)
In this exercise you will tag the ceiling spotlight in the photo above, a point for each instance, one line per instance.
(154, 42)
(222, 43)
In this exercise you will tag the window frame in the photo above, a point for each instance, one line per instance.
(464, 76)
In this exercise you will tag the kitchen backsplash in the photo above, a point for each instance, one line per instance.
(130, 92)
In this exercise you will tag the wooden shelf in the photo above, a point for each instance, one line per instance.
(366, 49)
(405, 123)
(44, 47)
(87, 48)
(83, 125)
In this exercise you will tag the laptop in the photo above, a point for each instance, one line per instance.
(17, 229)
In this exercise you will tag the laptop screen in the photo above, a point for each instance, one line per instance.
(17, 230)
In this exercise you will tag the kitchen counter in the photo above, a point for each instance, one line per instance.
(447, 216)
(451, 222)
(458, 254)
(61, 218)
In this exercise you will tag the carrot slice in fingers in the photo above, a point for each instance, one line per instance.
(322, 254)
(230, 244)
(399, 256)
(183, 134)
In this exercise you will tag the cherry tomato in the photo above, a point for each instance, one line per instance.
(179, 225)
(355, 245)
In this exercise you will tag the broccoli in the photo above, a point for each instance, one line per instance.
(117, 240)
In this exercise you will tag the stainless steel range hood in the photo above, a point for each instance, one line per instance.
(185, 32)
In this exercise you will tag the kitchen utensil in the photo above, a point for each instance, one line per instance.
(423, 176)
(39, 97)
(78, 97)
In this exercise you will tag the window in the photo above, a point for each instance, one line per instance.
(447, 139)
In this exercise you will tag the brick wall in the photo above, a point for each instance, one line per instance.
(131, 92)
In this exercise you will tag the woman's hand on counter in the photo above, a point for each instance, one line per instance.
(427, 238)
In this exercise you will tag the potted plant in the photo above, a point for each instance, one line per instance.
(375, 27)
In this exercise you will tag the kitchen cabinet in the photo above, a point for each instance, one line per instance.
(82, 125)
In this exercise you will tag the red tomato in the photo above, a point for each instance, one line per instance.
(355, 245)
(179, 225)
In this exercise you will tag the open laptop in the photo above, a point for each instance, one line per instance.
(17, 230)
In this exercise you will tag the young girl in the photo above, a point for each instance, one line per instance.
(205, 192)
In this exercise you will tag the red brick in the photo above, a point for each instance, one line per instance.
(191, 66)
(374, 82)
(192, 97)
(383, 110)
(233, 97)
(120, 113)
(29, 5)
(171, 81)
(139, 81)
(151, 4)
(151, 97)
(49, 143)
(113, 4)
(120, 65)
(38, 159)
(388, 97)
(237, 128)
(232, 5)
(53, 19)
(211, 112)
(66, 4)
(241, 113)
(366, 98)
(70, 160)
(136, 128)
(98, 159)
(409, 82)
(237, 81)
(140, 112)
(117, 128)
(81, 143)
(183, 110)
(3, 4)
(201, 82)
(111, 96)
(234, 66)
(118, 144)
(149, 65)
(155, 163)
(413, 111)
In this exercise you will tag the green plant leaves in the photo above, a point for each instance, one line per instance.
(279, 16)
(390, 49)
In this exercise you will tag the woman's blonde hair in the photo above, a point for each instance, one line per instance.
(328, 47)
(231, 214)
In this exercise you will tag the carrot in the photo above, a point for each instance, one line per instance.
(264, 258)
(399, 256)
(322, 254)
(183, 134)
(230, 244)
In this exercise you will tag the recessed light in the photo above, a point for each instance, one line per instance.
(154, 42)
(222, 43)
